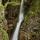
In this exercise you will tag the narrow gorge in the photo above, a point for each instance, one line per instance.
(23, 15)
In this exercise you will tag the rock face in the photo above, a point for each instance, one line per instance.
(30, 31)
(11, 15)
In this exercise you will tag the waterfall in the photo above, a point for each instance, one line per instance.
(21, 17)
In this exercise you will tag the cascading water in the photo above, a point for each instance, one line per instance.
(21, 17)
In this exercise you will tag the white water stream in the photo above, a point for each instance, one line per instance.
(21, 17)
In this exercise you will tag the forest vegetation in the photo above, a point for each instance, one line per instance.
(30, 27)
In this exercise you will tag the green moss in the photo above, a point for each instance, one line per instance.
(33, 11)
(4, 34)
(16, 0)
(14, 3)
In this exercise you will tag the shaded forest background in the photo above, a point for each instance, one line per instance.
(30, 27)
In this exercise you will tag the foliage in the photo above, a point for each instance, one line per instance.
(2, 18)
(4, 34)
